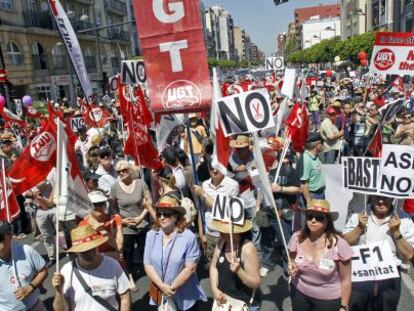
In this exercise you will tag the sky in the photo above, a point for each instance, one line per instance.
(262, 19)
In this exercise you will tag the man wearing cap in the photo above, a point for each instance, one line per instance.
(91, 180)
(82, 144)
(106, 169)
(217, 184)
(7, 152)
(102, 222)
(92, 281)
(312, 178)
(22, 272)
(331, 136)
(381, 224)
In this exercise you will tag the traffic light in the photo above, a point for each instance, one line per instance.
(277, 2)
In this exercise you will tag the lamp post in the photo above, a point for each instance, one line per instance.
(4, 84)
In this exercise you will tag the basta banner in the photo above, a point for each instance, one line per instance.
(393, 54)
(172, 41)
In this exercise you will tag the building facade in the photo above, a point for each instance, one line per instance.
(219, 25)
(353, 18)
(34, 54)
(317, 29)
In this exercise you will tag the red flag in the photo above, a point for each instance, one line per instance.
(398, 84)
(375, 146)
(139, 143)
(10, 211)
(96, 116)
(53, 114)
(221, 152)
(33, 113)
(36, 161)
(145, 114)
(10, 117)
(298, 125)
(123, 102)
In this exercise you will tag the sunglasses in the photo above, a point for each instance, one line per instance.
(124, 171)
(317, 217)
(166, 214)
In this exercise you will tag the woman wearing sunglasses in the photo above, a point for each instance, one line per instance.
(132, 201)
(320, 263)
(170, 258)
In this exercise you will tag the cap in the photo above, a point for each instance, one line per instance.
(90, 175)
(5, 228)
(97, 197)
(314, 137)
(104, 151)
(330, 110)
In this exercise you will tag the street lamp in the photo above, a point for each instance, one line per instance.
(329, 28)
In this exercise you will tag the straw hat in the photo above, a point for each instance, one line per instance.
(172, 202)
(85, 238)
(276, 142)
(242, 141)
(321, 206)
(224, 227)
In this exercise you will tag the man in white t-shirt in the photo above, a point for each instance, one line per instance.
(217, 184)
(93, 281)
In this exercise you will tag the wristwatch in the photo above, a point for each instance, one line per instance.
(345, 308)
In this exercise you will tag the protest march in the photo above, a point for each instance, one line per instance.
(186, 183)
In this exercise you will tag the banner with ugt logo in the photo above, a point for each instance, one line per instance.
(172, 42)
(393, 53)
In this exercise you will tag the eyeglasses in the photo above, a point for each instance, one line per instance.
(166, 214)
(123, 171)
(317, 217)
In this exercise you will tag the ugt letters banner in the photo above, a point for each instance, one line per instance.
(393, 53)
(172, 42)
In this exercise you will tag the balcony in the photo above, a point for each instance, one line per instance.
(90, 63)
(117, 34)
(39, 19)
(116, 6)
(82, 25)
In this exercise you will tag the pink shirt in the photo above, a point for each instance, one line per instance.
(321, 279)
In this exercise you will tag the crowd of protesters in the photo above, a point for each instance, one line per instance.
(159, 222)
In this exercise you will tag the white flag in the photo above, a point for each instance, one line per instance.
(72, 45)
(72, 191)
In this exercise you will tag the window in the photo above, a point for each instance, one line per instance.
(38, 57)
(59, 57)
(90, 60)
(43, 92)
(6, 5)
(14, 54)
(115, 62)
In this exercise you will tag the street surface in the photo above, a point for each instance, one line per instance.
(274, 289)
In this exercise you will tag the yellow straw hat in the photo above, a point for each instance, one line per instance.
(224, 227)
(241, 141)
(85, 238)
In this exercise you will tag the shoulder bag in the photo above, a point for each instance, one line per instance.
(163, 303)
(88, 290)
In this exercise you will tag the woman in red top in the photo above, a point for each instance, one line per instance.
(108, 225)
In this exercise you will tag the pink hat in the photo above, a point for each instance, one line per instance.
(330, 110)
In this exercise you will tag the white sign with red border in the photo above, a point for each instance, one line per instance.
(393, 53)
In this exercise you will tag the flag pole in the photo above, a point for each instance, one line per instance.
(268, 188)
(6, 205)
(57, 194)
(193, 165)
(4, 190)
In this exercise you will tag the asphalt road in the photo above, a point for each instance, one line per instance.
(274, 289)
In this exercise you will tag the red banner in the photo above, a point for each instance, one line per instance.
(172, 41)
